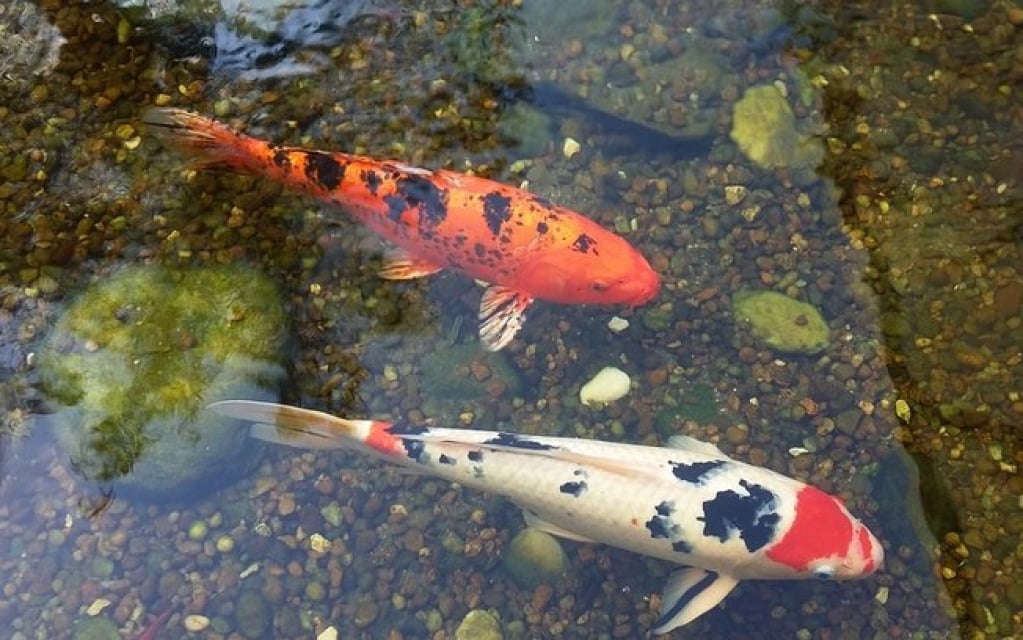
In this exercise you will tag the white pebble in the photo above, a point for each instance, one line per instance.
(570, 148)
(617, 324)
(195, 623)
(608, 385)
(330, 633)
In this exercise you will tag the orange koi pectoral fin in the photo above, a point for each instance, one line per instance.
(399, 265)
(502, 312)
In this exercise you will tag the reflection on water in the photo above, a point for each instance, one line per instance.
(906, 242)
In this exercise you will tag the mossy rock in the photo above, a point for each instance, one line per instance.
(782, 323)
(764, 128)
(134, 360)
(535, 557)
(446, 374)
(479, 625)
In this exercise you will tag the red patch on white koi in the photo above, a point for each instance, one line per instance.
(382, 440)
(867, 549)
(822, 529)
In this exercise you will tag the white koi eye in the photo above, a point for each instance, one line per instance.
(824, 572)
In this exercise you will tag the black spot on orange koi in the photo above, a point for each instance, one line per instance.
(541, 228)
(496, 211)
(324, 170)
(372, 181)
(584, 243)
(281, 159)
(479, 249)
(421, 194)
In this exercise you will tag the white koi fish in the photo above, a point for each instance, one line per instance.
(687, 503)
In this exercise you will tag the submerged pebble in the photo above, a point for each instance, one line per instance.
(610, 384)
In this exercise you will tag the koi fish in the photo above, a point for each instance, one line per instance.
(687, 503)
(519, 245)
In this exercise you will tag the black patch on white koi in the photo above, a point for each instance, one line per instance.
(476, 456)
(426, 198)
(405, 428)
(752, 516)
(496, 211)
(695, 473)
(414, 449)
(324, 170)
(660, 526)
(372, 181)
(681, 546)
(505, 439)
(584, 243)
(446, 459)
(573, 488)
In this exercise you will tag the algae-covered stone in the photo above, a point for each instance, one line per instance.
(96, 628)
(479, 625)
(782, 323)
(252, 615)
(466, 372)
(764, 127)
(535, 557)
(134, 360)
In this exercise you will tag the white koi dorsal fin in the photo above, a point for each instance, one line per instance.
(502, 312)
(688, 594)
(535, 521)
(399, 265)
(692, 445)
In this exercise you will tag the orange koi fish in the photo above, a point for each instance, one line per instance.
(519, 245)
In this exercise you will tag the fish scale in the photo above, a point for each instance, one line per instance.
(687, 503)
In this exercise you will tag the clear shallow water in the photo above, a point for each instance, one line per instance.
(905, 236)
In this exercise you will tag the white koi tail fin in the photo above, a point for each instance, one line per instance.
(210, 143)
(292, 426)
(689, 594)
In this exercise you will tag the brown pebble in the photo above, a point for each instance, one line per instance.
(657, 377)
(541, 596)
(736, 434)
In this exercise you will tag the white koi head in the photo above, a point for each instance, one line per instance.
(826, 541)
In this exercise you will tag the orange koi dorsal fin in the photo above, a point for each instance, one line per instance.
(399, 265)
(502, 312)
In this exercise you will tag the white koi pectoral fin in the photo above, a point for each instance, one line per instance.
(690, 593)
(685, 443)
(399, 265)
(287, 425)
(536, 522)
(502, 312)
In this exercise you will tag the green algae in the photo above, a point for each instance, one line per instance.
(764, 127)
(782, 323)
(135, 359)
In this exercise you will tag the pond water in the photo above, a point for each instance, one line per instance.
(863, 159)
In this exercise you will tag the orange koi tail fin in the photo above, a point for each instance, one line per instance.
(210, 143)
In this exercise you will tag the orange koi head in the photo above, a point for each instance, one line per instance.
(616, 274)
